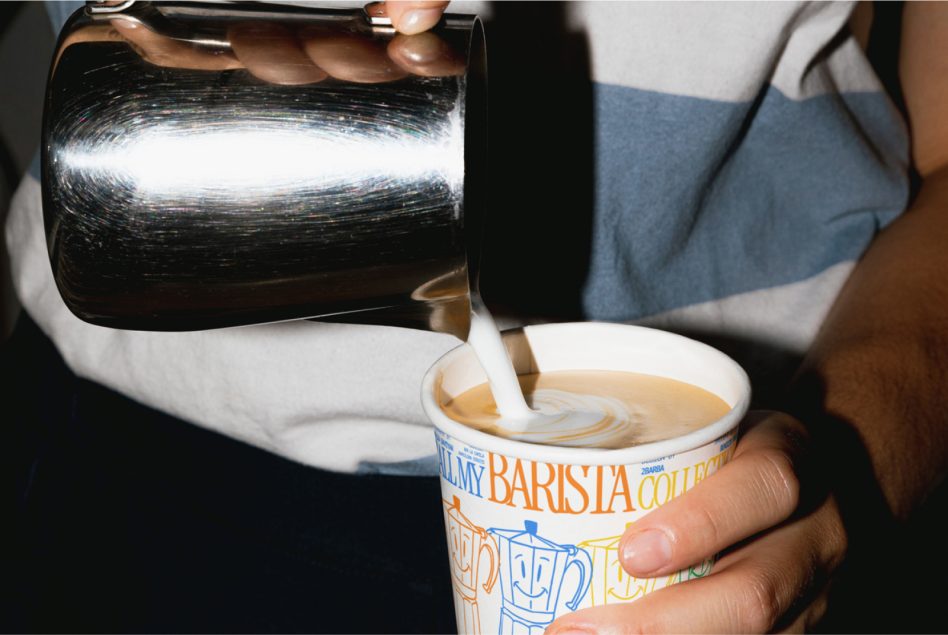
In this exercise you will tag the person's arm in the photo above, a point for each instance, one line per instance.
(882, 356)
(872, 390)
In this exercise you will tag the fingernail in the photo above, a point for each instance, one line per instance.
(124, 23)
(418, 20)
(424, 48)
(647, 552)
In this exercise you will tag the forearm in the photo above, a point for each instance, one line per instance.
(880, 362)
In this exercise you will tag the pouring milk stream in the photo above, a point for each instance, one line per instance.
(553, 411)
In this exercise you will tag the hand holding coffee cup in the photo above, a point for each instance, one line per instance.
(775, 561)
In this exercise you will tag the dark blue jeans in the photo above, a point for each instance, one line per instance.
(126, 519)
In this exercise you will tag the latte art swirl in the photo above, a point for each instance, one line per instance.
(593, 409)
(575, 420)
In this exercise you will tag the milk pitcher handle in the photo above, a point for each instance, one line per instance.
(580, 558)
(491, 547)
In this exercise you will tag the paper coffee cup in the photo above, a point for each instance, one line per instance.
(533, 530)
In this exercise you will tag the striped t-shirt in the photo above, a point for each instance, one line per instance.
(738, 157)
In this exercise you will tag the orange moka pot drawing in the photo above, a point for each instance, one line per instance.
(467, 544)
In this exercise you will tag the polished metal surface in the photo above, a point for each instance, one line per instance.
(218, 165)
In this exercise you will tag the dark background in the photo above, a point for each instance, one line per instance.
(26, 43)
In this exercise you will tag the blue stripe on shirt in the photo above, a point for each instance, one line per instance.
(698, 199)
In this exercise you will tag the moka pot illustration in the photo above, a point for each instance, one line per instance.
(610, 582)
(467, 543)
(532, 574)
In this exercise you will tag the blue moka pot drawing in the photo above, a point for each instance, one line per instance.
(533, 571)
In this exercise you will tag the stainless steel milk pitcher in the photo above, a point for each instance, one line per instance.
(210, 165)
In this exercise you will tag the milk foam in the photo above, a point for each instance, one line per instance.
(583, 408)
(550, 415)
(574, 419)
(605, 409)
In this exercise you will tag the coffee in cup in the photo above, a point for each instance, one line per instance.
(632, 408)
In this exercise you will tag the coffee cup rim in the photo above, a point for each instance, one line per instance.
(645, 452)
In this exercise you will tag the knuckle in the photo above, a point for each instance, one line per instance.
(641, 617)
(834, 539)
(779, 479)
(759, 604)
(639, 627)
(646, 624)
(711, 534)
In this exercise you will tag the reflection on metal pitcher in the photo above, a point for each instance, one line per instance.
(215, 165)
